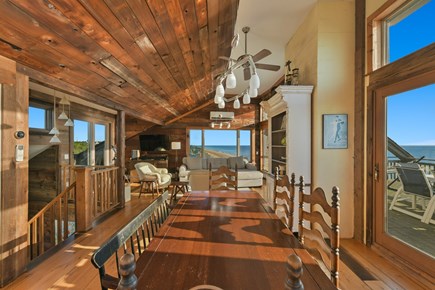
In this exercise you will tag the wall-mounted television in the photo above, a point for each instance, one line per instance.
(153, 142)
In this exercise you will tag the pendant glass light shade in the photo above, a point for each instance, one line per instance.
(220, 91)
(221, 104)
(231, 81)
(217, 98)
(246, 99)
(254, 82)
(63, 116)
(54, 139)
(228, 125)
(253, 93)
(236, 104)
(212, 124)
(69, 123)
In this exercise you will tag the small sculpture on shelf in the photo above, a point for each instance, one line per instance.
(291, 77)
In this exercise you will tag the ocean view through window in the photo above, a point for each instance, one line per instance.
(220, 143)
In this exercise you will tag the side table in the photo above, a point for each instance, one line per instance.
(178, 186)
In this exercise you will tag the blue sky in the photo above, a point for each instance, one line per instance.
(411, 114)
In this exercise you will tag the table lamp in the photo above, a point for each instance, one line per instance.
(176, 146)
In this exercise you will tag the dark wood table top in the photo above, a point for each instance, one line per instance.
(229, 239)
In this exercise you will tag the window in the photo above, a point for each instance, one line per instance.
(245, 144)
(100, 144)
(406, 30)
(37, 118)
(220, 143)
(195, 143)
(81, 142)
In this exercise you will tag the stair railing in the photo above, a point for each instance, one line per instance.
(53, 224)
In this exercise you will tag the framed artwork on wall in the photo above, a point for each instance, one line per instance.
(335, 131)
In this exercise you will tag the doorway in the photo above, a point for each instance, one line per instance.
(404, 174)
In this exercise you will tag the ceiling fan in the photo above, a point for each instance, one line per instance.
(246, 64)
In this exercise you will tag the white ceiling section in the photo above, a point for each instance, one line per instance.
(272, 23)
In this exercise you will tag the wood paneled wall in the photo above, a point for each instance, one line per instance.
(13, 205)
(175, 135)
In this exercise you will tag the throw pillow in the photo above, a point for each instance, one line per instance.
(233, 161)
(217, 162)
(193, 163)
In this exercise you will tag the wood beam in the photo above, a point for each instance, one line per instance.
(81, 93)
(360, 120)
(13, 175)
(202, 106)
(120, 156)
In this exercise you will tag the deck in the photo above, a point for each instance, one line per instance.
(70, 267)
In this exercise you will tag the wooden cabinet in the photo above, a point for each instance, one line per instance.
(289, 120)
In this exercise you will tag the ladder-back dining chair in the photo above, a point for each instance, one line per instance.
(321, 238)
(283, 198)
(222, 179)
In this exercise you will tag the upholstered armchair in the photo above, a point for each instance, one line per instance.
(152, 177)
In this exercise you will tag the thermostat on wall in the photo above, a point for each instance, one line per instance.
(19, 152)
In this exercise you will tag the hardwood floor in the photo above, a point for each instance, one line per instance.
(70, 267)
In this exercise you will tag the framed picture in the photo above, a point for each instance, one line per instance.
(334, 131)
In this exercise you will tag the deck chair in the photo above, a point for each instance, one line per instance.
(283, 199)
(320, 238)
(222, 179)
(414, 184)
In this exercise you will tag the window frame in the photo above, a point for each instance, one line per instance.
(48, 116)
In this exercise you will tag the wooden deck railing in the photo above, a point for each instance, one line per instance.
(53, 223)
(427, 165)
(104, 185)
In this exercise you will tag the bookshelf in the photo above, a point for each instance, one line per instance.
(279, 142)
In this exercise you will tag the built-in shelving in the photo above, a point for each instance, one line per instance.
(278, 142)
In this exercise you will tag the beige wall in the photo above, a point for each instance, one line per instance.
(323, 49)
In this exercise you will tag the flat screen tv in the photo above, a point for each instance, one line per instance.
(153, 142)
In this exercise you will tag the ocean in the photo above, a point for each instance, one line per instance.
(428, 151)
(245, 150)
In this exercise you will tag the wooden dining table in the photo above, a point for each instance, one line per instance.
(227, 239)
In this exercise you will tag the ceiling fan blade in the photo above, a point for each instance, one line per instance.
(224, 57)
(261, 54)
(267, 66)
(246, 73)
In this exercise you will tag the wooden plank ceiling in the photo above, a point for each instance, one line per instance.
(154, 59)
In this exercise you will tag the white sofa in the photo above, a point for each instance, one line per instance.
(195, 170)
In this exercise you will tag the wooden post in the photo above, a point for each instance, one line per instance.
(294, 273)
(83, 199)
(14, 102)
(120, 156)
(128, 279)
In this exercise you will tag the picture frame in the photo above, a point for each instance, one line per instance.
(335, 131)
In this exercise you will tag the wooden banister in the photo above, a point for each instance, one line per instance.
(50, 226)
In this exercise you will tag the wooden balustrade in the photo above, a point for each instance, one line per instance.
(104, 183)
(97, 193)
(53, 224)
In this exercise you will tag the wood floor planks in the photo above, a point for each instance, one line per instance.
(392, 273)
(70, 267)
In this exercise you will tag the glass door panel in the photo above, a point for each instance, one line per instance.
(409, 167)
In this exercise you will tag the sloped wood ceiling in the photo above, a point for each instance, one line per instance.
(155, 59)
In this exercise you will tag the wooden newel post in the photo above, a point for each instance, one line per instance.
(294, 273)
(127, 265)
(83, 199)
